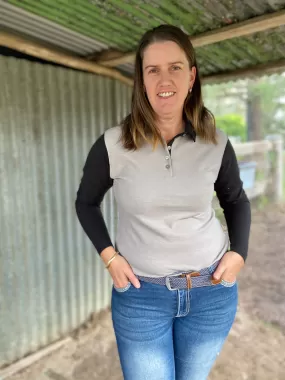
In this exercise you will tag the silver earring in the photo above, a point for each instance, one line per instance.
(190, 90)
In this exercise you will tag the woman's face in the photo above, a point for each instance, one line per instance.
(167, 77)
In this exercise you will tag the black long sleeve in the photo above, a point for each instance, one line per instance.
(94, 185)
(234, 202)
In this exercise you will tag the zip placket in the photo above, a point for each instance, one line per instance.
(168, 159)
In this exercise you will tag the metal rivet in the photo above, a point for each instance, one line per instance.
(167, 166)
(169, 147)
(167, 157)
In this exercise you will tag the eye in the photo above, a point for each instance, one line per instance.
(176, 68)
(153, 71)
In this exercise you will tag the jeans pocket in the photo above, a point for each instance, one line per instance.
(228, 284)
(124, 289)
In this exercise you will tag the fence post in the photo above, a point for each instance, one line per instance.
(277, 180)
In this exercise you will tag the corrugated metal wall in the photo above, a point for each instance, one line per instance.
(51, 277)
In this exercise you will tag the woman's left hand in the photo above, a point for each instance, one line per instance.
(229, 267)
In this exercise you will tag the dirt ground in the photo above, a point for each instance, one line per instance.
(255, 348)
(261, 284)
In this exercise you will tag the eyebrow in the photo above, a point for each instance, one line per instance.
(171, 63)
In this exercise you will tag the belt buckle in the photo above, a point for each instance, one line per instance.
(188, 278)
(167, 283)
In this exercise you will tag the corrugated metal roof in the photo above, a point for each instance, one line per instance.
(242, 52)
(121, 23)
(37, 27)
(127, 68)
(88, 26)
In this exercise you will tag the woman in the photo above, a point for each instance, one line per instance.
(174, 297)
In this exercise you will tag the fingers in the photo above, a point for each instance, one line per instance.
(123, 281)
(218, 274)
(229, 276)
(133, 279)
(122, 274)
(229, 266)
(224, 273)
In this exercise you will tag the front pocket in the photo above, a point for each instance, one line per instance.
(227, 284)
(122, 290)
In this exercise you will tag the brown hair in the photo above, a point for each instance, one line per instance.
(139, 126)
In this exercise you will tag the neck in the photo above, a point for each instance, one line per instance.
(170, 127)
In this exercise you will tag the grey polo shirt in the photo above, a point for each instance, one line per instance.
(164, 197)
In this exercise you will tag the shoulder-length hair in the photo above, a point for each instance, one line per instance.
(140, 125)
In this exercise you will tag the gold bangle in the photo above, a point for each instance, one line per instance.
(111, 259)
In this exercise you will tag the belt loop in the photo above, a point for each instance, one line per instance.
(188, 278)
(189, 282)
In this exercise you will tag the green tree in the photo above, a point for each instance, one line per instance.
(259, 101)
(232, 125)
(271, 92)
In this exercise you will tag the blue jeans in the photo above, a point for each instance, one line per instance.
(171, 335)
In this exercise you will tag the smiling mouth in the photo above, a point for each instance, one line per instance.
(166, 95)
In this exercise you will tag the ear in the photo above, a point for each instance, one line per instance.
(192, 76)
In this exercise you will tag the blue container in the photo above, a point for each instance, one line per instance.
(247, 173)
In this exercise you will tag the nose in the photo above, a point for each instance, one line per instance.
(165, 78)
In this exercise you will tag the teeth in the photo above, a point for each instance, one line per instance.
(165, 94)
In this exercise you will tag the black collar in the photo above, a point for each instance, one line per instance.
(188, 131)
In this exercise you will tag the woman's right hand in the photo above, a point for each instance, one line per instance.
(119, 269)
(122, 273)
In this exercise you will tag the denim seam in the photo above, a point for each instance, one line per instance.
(178, 308)
(187, 301)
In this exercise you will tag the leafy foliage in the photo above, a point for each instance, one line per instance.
(232, 125)
(233, 97)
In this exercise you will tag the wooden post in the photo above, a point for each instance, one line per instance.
(278, 172)
(277, 175)
(49, 54)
